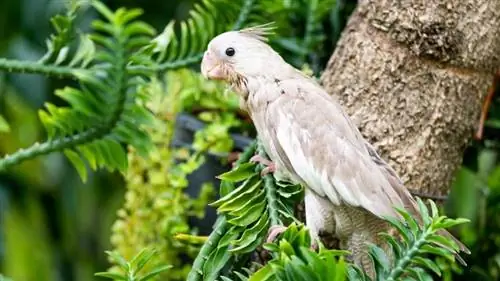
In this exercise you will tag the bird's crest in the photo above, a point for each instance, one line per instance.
(259, 32)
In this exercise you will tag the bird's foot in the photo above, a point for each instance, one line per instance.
(274, 232)
(314, 246)
(270, 166)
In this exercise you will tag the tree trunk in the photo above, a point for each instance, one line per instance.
(412, 75)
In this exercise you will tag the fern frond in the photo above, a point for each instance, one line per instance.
(107, 110)
(206, 20)
(55, 62)
(412, 256)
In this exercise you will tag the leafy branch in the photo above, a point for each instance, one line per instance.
(130, 271)
(412, 256)
(206, 21)
(34, 67)
(106, 111)
(248, 205)
(221, 225)
(113, 66)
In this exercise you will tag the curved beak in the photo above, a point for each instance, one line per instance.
(211, 68)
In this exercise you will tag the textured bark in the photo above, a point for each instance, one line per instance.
(412, 75)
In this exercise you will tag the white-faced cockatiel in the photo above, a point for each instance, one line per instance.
(310, 140)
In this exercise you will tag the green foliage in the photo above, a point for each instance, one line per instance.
(250, 204)
(4, 126)
(134, 270)
(156, 207)
(213, 104)
(106, 111)
(412, 256)
(112, 66)
(305, 43)
(3, 278)
(207, 19)
(213, 255)
(294, 260)
(476, 195)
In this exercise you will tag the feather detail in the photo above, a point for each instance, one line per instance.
(259, 32)
(324, 150)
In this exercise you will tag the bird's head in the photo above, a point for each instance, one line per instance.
(236, 56)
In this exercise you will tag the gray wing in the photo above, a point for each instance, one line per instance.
(322, 148)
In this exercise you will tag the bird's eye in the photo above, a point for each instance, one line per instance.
(230, 51)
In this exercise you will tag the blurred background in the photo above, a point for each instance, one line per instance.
(53, 227)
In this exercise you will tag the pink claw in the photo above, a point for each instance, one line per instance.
(270, 166)
(274, 231)
(269, 169)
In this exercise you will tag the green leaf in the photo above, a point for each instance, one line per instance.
(395, 245)
(110, 275)
(139, 28)
(85, 52)
(424, 212)
(262, 274)
(4, 126)
(428, 249)
(379, 259)
(402, 230)
(119, 260)
(250, 235)
(235, 197)
(140, 260)
(410, 221)
(77, 162)
(242, 172)
(434, 209)
(118, 154)
(103, 10)
(229, 237)
(88, 153)
(250, 215)
(225, 188)
(442, 241)
(215, 262)
(427, 263)
(447, 223)
(155, 272)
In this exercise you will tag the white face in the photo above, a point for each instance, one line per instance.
(231, 54)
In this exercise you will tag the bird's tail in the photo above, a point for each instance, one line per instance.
(409, 202)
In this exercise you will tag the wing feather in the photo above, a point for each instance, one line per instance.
(326, 153)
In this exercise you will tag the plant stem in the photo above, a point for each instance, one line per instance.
(270, 188)
(197, 270)
(220, 227)
(403, 262)
(48, 147)
(35, 67)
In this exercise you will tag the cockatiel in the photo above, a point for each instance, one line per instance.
(310, 140)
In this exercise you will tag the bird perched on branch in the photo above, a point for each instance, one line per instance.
(310, 140)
